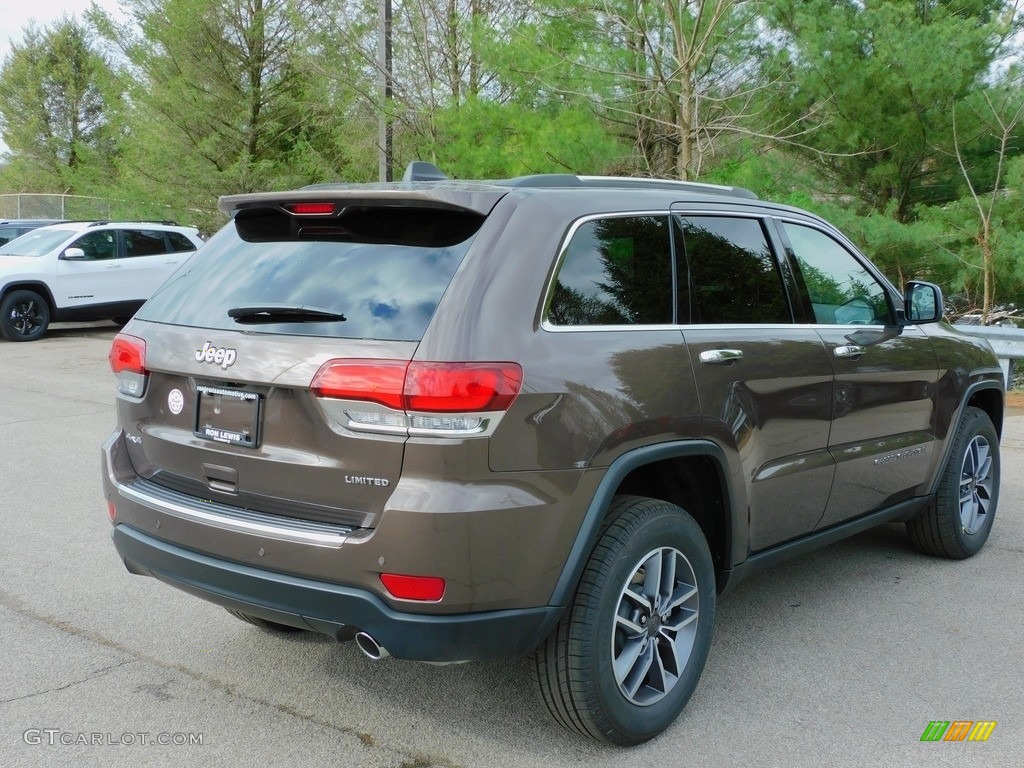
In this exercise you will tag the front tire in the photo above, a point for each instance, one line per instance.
(959, 521)
(24, 316)
(626, 657)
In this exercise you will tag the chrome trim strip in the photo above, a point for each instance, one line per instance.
(338, 412)
(245, 521)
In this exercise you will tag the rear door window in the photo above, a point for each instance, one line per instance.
(727, 272)
(145, 242)
(382, 271)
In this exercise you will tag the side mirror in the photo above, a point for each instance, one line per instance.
(73, 254)
(922, 303)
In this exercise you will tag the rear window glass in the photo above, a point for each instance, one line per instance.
(383, 290)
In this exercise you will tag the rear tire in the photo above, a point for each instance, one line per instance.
(24, 316)
(959, 521)
(627, 655)
(264, 624)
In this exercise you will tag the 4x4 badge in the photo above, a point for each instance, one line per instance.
(221, 356)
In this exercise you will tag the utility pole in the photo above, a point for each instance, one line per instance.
(385, 81)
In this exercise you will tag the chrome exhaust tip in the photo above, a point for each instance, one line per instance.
(371, 647)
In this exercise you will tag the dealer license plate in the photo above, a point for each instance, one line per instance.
(228, 416)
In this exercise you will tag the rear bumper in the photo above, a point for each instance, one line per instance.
(335, 610)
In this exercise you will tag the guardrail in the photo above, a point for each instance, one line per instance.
(1007, 342)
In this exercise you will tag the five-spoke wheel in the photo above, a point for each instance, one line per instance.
(976, 484)
(655, 626)
(627, 655)
(957, 524)
(24, 316)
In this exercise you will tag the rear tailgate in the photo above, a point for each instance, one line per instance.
(233, 343)
(252, 434)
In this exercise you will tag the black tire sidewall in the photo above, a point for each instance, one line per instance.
(664, 526)
(8, 302)
(975, 422)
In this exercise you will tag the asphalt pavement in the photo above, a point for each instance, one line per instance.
(838, 658)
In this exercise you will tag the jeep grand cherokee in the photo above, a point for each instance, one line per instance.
(553, 416)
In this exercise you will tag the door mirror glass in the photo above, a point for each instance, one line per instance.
(922, 302)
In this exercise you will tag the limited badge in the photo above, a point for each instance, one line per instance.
(175, 401)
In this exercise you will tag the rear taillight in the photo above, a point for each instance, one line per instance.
(371, 381)
(468, 394)
(461, 387)
(128, 362)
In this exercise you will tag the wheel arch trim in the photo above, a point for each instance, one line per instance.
(615, 473)
(31, 285)
(971, 391)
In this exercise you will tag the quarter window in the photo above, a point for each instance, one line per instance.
(180, 243)
(727, 272)
(840, 289)
(615, 271)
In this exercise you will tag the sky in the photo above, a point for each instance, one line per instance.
(16, 14)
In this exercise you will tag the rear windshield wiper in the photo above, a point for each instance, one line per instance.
(283, 313)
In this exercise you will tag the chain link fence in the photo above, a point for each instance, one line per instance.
(41, 206)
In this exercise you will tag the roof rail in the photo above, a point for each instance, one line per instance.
(418, 170)
(164, 222)
(630, 182)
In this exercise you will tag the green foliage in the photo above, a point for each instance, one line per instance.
(875, 86)
(675, 80)
(482, 139)
(958, 231)
(54, 114)
(223, 102)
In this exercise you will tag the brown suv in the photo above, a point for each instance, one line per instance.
(550, 415)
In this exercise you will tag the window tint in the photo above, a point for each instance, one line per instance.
(179, 242)
(841, 290)
(7, 234)
(144, 242)
(727, 273)
(615, 271)
(384, 290)
(98, 245)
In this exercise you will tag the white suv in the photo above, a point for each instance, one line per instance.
(86, 271)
